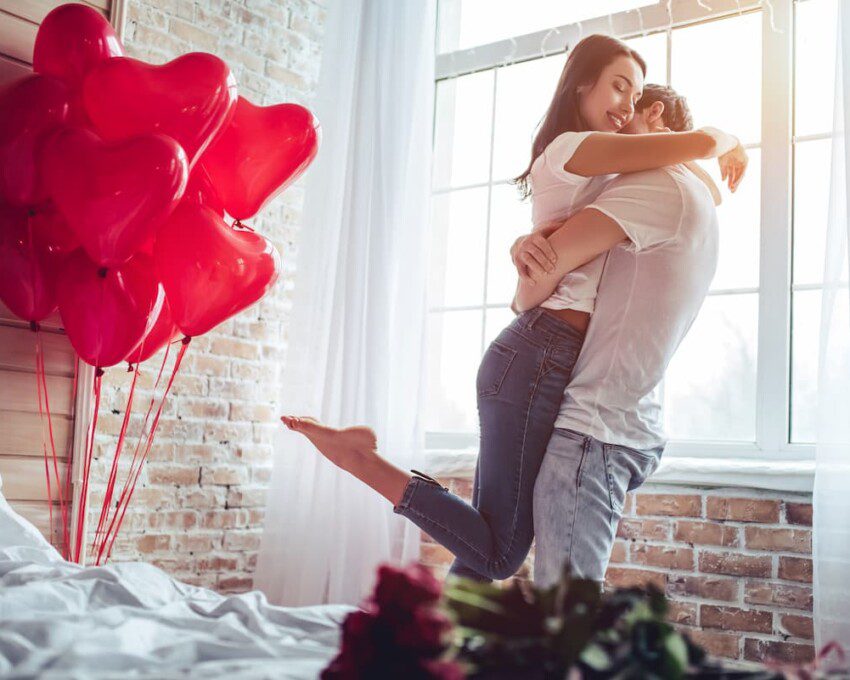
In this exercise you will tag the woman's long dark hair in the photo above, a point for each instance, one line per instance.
(583, 67)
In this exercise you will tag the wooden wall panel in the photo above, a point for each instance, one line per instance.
(19, 21)
(24, 479)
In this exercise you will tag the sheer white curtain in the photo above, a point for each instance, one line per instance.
(357, 338)
(832, 472)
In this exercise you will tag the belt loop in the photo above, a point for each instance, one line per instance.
(533, 316)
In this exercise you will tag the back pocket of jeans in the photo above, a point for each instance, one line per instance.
(494, 367)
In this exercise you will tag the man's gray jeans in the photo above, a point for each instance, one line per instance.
(578, 501)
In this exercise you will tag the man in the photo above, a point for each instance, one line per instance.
(661, 228)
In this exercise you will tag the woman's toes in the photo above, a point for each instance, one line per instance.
(312, 427)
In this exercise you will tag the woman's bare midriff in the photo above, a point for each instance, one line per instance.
(574, 317)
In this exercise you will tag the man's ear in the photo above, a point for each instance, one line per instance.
(655, 113)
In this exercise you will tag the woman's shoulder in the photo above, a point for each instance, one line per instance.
(566, 142)
(557, 153)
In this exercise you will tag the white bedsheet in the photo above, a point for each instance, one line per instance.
(131, 620)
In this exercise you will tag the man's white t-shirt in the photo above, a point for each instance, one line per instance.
(556, 196)
(650, 291)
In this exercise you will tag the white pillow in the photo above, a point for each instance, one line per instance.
(16, 531)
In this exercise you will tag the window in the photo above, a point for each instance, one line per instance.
(742, 382)
(814, 83)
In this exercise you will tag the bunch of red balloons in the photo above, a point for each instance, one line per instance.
(116, 177)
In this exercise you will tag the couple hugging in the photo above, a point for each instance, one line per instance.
(623, 250)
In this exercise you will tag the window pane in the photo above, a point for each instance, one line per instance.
(523, 93)
(811, 208)
(653, 49)
(458, 233)
(814, 66)
(463, 116)
(738, 217)
(497, 319)
(722, 83)
(454, 352)
(805, 356)
(509, 218)
(467, 23)
(710, 385)
(804, 364)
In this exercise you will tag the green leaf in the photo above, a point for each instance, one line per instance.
(676, 656)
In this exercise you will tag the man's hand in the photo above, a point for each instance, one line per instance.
(533, 256)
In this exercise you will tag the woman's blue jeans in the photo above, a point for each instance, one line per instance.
(520, 386)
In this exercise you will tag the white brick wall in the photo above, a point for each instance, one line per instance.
(198, 509)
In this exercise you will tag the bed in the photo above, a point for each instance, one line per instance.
(131, 620)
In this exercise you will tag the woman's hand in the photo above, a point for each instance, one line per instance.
(733, 165)
(533, 256)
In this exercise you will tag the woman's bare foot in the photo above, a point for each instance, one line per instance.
(350, 448)
(355, 450)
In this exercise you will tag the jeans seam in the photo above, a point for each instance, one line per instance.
(579, 473)
(540, 375)
(493, 391)
(529, 336)
(609, 481)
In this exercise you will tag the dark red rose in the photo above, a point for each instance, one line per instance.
(424, 631)
(407, 588)
(400, 634)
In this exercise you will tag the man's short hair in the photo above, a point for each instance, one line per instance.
(677, 115)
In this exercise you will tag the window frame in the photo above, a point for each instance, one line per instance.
(726, 462)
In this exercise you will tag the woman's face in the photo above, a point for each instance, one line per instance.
(609, 104)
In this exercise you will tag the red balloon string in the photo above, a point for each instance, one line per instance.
(66, 553)
(39, 367)
(63, 496)
(90, 436)
(138, 442)
(113, 472)
(148, 444)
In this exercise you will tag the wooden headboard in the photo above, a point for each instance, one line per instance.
(21, 448)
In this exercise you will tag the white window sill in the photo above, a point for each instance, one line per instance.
(779, 475)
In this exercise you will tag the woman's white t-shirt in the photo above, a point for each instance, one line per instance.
(556, 196)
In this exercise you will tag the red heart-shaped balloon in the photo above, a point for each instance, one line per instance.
(29, 260)
(200, 191)
(107, 312)
(211, 271)
(190, 99)
(59, 237)
(113, 195)
(71, 40)
(30, 108)
(259, 153)
(163, 331)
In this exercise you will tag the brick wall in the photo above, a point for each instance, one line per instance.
(198, 511)
(736, 565)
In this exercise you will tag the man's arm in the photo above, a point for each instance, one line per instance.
(585, 235)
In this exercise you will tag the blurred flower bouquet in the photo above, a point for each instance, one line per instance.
(571, 631)
(401, 632)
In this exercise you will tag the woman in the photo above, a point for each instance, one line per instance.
(525, 370)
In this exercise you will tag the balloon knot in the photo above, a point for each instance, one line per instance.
(186, 340)
(98, 371)
(102, 272)
(34, 327)
(129, 367)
